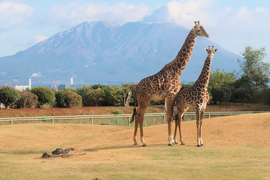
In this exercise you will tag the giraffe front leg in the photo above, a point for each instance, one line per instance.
(175, 131)
(201, 120)
(169, 105)
(135, 133)
(141, 130)
(199, 117)
(180, 128)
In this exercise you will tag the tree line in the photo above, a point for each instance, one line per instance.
(248, 86)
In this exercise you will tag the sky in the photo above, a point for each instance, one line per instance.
(233, 24)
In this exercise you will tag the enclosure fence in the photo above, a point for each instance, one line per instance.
(150, 119)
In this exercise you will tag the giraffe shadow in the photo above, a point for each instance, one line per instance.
(140, 146)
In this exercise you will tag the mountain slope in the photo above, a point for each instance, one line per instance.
(98, 52)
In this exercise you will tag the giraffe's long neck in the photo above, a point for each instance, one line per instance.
(204, 77)
(178, 65)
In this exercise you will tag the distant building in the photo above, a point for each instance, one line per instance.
(67, 86)
(2, 106)
(23, 87)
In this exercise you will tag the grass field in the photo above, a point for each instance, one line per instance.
(236, 147)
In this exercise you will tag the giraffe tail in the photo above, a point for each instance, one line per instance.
(133, 115)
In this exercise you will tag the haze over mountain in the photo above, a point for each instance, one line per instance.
(101, 52)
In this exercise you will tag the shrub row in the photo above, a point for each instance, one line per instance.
(45, 97)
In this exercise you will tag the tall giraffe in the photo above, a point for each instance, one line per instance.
(165, 84)
(196, 95)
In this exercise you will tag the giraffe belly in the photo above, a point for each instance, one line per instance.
(157, 97)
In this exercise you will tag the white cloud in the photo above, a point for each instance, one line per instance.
(76, 12)
(40, 38)
(36, 74)
(262, 10)
(14, 14)
(185, 12)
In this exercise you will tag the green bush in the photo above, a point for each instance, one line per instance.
(28, 100)
(93, 97)
(68, 99)
(265, 95)
(117, 112)
(8, 96)
(45, 96)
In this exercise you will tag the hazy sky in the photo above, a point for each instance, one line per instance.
(233, 24)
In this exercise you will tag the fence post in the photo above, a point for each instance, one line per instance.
(164, 116)
(128, 120)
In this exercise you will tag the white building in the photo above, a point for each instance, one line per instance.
(23, 87)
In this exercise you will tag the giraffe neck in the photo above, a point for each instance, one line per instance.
(178, 65)
(204, 77)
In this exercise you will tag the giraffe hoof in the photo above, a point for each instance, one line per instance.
(183, 143)
(170, 144)
(199, 145)
(135, 144)
(176, 143)
(144, 145)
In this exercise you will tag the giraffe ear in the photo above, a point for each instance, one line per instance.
(216, 50)
(205, 49)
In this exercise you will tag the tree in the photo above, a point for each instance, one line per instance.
(45, 95)
(28, 100)
(254, 67)
(220, 85)
(8, 96)
(93, 97)
(83, 89)
(255, 76)
(68, 99)
(113, 95)
(220, 78)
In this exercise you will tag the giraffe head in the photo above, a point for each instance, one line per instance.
(211, 51)
(199, 30)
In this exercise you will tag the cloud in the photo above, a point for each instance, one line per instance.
(186, 12)
(76, 12)
(14, 14)
(36, 75)
(40, 38)
(262, 10)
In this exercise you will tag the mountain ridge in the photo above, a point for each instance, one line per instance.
(102, 52)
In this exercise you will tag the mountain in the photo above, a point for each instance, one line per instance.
(100, 52)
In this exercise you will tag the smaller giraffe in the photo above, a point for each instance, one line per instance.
(196, 95)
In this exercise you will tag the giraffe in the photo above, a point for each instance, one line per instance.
(196, 95)
(165, 84)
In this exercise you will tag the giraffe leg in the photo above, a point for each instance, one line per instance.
(141, 130)
(180, 128)
(199, 117)
(175, 129)
(201, 120)
(198, 126)
(139, 117)
(170, 104)
(135, 133)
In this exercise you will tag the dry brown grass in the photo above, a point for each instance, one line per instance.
(126, 110)
(236, 147)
